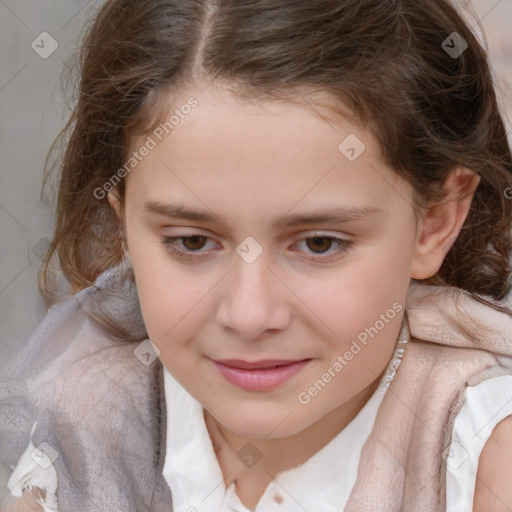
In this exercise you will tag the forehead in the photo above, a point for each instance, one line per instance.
(256, 155)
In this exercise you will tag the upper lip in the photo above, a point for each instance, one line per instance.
(251, 365)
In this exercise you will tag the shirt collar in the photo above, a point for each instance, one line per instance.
(323, 482)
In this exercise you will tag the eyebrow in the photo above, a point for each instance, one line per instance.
(329, 215)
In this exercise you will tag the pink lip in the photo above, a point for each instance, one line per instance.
(258, 375)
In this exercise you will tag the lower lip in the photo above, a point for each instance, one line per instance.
(260, 379)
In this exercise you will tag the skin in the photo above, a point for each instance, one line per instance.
(492, 487)
(252, 164)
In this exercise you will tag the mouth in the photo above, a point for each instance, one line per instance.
(259, 375)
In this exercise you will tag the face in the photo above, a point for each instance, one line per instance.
(301, 252)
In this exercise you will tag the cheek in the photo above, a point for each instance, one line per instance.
(170, 294)
(167, 301)
(351, 298)
(360, 311)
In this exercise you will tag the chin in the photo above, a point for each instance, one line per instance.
(270, 425)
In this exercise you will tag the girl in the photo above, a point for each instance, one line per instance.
(286, 227)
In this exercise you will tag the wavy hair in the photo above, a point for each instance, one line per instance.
(430, 110)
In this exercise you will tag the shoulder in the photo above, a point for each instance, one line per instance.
(493, 490)
(71, 366)
(99, 405)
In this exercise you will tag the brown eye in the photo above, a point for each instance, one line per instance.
(188, 247)
(195, 242)
(319, 244)
(322, 248)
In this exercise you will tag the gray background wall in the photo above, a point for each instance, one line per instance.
(32, 112)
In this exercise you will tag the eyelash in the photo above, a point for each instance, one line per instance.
(170, 243)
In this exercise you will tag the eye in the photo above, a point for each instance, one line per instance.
(319, 245)
(191, 245)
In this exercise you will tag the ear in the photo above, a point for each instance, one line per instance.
(441, 223)
(115, 203)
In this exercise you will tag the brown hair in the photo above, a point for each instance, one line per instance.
(429, 110)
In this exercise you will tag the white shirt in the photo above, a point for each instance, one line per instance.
(324, 482)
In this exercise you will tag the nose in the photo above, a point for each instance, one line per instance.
(253, 301)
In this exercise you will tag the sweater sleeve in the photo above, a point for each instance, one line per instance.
(486, 405)
(82, 416)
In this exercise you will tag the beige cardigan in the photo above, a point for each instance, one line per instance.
(401, 466)
(102, 412)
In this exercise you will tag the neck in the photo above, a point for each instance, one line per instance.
(277, 454)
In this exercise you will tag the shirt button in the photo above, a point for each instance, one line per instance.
(278, 498)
